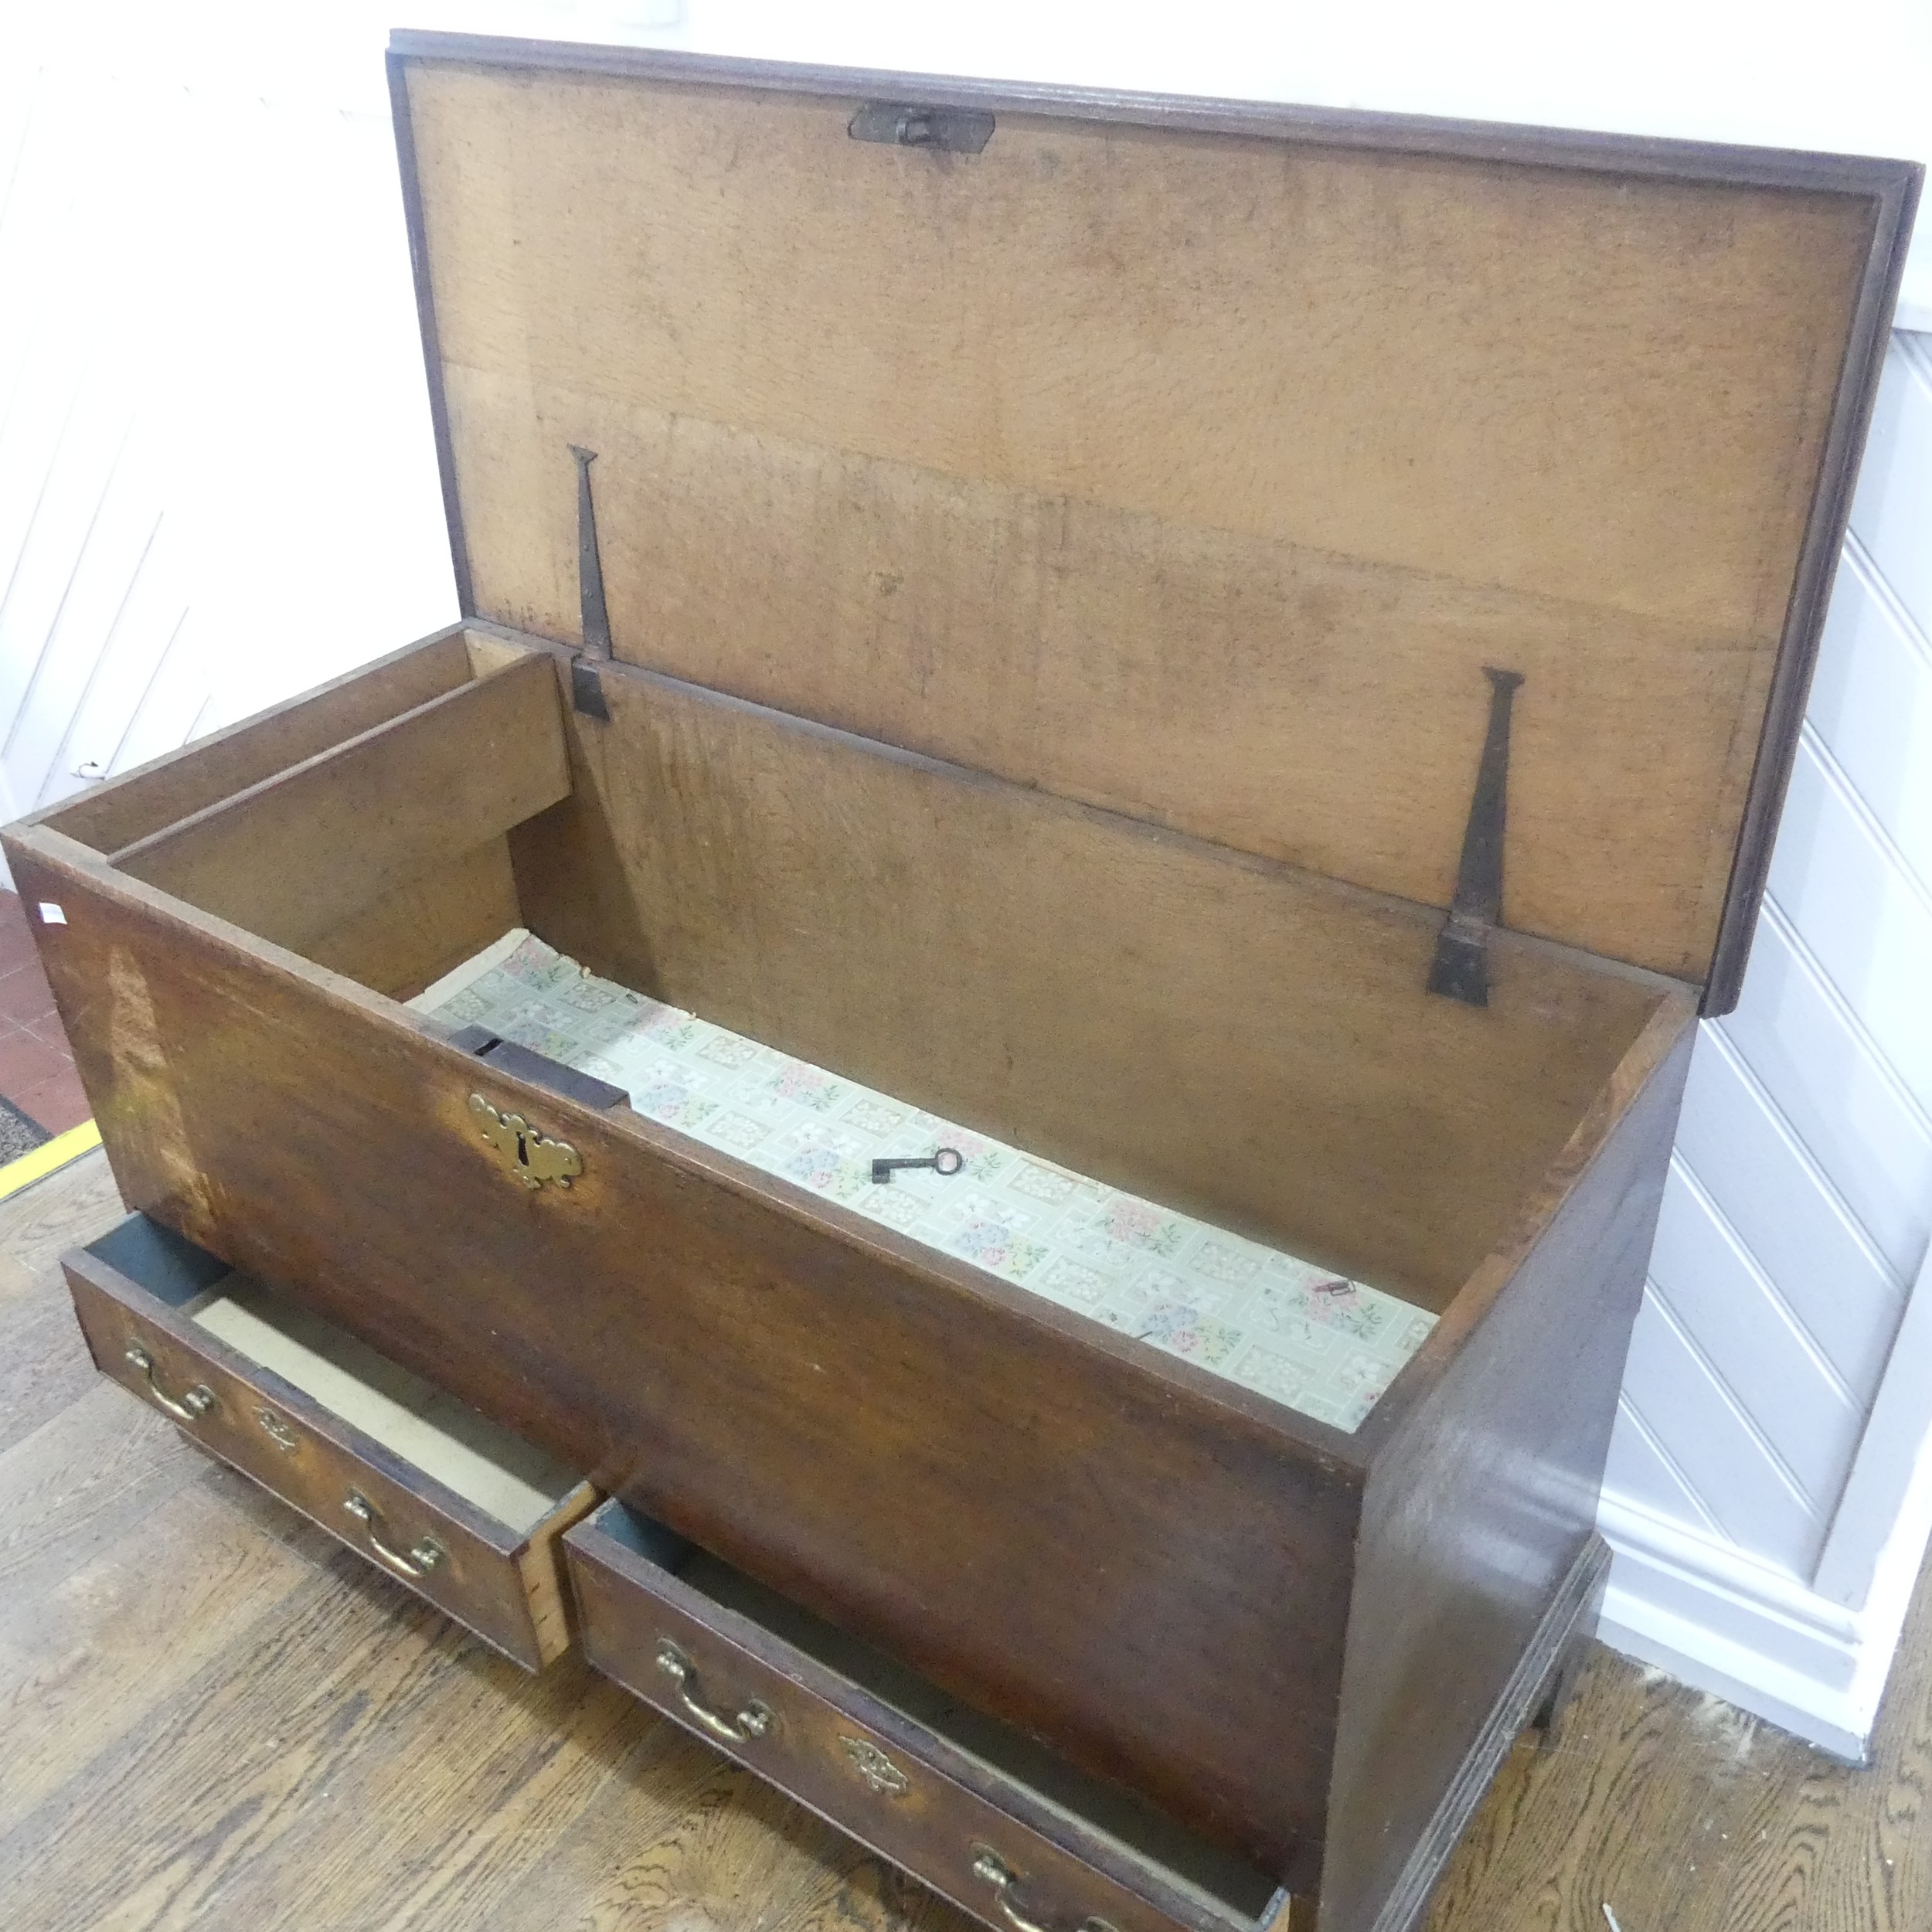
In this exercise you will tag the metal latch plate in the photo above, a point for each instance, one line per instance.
(955, 130)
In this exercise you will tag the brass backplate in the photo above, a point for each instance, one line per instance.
(876, 1768)
(533, 1157)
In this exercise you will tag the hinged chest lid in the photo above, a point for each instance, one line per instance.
(1192, 459)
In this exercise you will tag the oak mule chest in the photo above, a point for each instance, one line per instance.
(1209, 686)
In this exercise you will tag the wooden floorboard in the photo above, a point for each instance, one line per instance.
(214, 1716)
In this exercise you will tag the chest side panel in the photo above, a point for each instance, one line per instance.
(1482, 1501)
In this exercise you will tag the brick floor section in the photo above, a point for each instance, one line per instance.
(36, 1069)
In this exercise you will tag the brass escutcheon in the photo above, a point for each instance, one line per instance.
(876, 1768)
(278, 1431)
(533, 1157)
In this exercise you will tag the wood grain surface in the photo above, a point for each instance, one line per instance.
(786, 1384)
(951, 1805)
(142, 802)
(481, 1577)
(211, 1717)
(214, 1715)
(307, 849)
(1196, 474)
(1476, 1512)
(1218, 1033)
(435, 920)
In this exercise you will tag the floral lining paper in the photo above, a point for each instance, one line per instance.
(1296, 1333)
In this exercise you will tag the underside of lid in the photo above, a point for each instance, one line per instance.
(1193, 461)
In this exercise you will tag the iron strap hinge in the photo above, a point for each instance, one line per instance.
(1460, 969)
(586, 687)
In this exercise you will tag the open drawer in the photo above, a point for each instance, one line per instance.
(980, 1813)
(461, 1511)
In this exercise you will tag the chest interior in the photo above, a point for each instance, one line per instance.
(1211, 1031)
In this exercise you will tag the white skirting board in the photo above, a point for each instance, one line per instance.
(1812, 1655)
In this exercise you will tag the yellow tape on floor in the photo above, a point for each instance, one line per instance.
(43, 1160)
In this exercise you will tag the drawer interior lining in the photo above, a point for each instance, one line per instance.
(1301, 1334)
(500, 1473)
(1229, 1882)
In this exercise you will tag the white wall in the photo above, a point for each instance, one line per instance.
(216, 486)
(217, 482)
(1780, 1385)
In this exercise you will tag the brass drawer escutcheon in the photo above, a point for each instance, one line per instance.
(988, 1865)
(754, 1721)
(424, 1555)
(876, 1768)
(197, 1402)
(278, 1431)
(533, 1158)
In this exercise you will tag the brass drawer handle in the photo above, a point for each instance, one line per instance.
(191, 1407)
(754, 1721)
(988, 1865)
(424, 1555)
